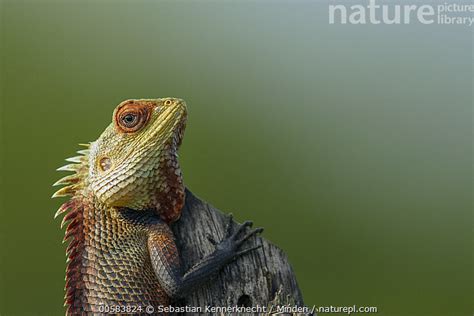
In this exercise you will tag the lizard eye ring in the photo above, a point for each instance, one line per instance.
(168, 102)
(131, 117)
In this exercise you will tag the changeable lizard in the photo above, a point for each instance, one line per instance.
(126, 188)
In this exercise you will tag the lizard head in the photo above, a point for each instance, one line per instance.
(134, 163)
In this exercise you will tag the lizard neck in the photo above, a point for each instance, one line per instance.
(149, 181)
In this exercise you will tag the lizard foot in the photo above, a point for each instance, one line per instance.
(233, 240)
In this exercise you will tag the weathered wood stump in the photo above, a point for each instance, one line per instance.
(261, 277)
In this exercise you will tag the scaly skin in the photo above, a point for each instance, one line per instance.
(126, 189)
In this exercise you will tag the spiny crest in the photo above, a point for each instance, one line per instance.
(75, 235)
(72, 183)
(73, 210)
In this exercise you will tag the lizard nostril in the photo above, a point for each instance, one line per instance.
(168, 102)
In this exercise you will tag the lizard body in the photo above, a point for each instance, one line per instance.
(126, 188)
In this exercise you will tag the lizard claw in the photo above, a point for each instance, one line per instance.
(250, 234)
(241, 229)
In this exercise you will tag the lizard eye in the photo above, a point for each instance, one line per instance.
(131, 117)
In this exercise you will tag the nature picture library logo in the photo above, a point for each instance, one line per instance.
(378, 12)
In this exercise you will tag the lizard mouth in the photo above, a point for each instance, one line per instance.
(173, 119)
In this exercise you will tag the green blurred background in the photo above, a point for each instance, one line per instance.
(351, 145)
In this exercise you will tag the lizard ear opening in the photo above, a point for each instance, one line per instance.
(105, 163)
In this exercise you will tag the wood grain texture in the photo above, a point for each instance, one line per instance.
(253, 279)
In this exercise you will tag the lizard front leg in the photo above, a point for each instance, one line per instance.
(165, 259)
